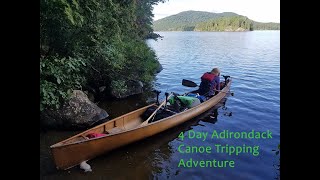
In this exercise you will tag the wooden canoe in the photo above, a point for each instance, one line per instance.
(121, 131)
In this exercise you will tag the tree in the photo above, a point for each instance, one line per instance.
(88, 44)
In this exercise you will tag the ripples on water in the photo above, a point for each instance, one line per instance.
(253, 58)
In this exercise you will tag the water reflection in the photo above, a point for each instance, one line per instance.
(211, 116)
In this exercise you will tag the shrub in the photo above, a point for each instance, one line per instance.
(58, 77)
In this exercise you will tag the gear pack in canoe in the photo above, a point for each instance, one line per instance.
(178, 103)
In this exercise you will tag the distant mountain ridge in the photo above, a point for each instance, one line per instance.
(207, 21)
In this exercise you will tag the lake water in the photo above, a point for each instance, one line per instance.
(252, 58)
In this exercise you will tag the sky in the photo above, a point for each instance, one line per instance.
(257, 10)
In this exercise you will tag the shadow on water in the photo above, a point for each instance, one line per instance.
(122, 106)
(145, 159)
(211, 116)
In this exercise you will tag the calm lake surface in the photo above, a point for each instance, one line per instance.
(252, 58)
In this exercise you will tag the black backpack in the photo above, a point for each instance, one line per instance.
(161, 113)
(205, 87)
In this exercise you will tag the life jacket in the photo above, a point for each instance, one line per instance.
(206, 85)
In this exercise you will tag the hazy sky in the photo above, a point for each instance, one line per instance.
(257, 10)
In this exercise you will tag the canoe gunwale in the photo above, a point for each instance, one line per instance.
(72, 151)
(61, 143)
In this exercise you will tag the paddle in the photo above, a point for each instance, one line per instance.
(188, 83)
(163, 103)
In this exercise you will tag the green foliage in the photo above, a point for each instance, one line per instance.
(200, 21)
(93, 43)
(142, 61)
(58, 77)
(234, 23)
(59, 19)
(144, 15)
(120, 85)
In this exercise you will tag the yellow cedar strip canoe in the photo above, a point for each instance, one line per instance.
(121, 131)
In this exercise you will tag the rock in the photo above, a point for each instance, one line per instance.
(102, 88)
(140, 84)
(134, 87)
(154, 36)
(159, 69)
(76, 113)
(240, 29)
(90, 95)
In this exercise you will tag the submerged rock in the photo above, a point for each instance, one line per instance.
(76, 113)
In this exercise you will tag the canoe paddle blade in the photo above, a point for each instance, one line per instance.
(188, 83)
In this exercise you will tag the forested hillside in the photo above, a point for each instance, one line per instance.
(234, 23)
(266, 26)
(206, 21)
(186, 21)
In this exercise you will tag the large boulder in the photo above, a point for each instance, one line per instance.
(133, 87)
(76, 113)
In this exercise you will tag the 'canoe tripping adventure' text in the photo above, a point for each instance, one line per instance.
(214, 136)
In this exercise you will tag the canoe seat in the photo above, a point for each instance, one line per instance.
(114, 130)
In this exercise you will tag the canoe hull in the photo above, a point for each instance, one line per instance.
(69, 155)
